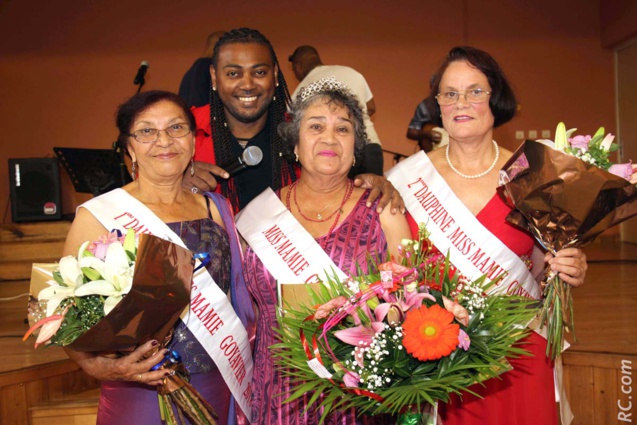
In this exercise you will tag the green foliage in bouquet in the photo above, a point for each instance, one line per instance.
(595, 150)
(388, 343)
(82, 315)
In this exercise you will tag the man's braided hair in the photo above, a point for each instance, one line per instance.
(283, 172)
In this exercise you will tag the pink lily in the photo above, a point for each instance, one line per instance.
(622, 170)
(464, 341)
(49, 327)
(459, 312)
(359, 335)
(351, 379)
(392, 311)
(412, 299)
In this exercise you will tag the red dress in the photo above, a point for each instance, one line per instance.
(526, 394)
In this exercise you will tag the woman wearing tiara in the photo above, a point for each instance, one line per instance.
(326, 136)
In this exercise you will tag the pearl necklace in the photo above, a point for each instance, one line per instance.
(475, 176)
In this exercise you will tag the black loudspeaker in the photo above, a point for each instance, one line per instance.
(35, 189)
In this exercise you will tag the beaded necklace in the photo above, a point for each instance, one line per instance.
(319, 218)
(337, 212)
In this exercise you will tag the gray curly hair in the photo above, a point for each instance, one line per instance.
(290, 130)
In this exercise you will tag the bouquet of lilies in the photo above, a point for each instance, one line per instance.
(84, 289)
(117, 293)
(398, 340)
(566, 193)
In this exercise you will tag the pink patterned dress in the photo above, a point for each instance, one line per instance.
(349, 245)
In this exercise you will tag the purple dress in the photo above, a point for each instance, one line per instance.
(349, 246)
(132, 403)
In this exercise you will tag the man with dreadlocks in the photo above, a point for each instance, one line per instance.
(248, 101)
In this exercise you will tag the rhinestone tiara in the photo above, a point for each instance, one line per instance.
(324, 84)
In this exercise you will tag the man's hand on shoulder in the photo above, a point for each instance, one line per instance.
(380, 186)
(203, 179)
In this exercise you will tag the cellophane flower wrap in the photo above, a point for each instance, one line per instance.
(116, 294)
(563, 194)
(400, 338)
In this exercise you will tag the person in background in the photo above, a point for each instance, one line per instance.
(195, 85)
(423, 130)
(326, 135)
(248, 100)
(308, 68)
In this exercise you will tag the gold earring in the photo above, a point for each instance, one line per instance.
(134, 170)
(296, 157)
(354, 163)
(192, 167)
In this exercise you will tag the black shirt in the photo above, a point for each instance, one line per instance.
(254, 180)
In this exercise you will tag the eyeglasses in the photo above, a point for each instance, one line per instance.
(471, 96)
(150, 135)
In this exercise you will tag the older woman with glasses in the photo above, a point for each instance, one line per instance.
(156, 130)
(473, 96)
(326, 135)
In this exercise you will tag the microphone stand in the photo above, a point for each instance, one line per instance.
(141, 84)
(123, 170)
(397, 155)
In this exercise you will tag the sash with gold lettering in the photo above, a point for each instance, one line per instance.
(210, 317)
(282, 244)
(473, 249)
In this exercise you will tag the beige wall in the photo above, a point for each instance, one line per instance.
(65, 66)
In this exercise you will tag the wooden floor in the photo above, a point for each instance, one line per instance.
(606, 305)
(35, 385)
(599, 366)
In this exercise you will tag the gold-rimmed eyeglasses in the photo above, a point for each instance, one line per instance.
(471, 96)
(150, 135)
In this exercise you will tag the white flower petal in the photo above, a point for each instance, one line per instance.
(96, 287)
(94, 263)
(608, 140)
(569, 132)
(70, 271)
(53, 302)
(126, 285)
(80, 252)
(47, 293)
(110, 303)
(116, 259)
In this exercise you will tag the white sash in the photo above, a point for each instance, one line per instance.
(210, 316)
(286, 249)
(473, 249)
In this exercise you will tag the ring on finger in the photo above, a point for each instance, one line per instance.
(139, 376)
(194, 189)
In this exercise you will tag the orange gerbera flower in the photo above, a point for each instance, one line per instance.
(429, 333)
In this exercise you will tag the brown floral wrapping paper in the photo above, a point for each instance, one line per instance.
(160, 292)
(562, 200)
